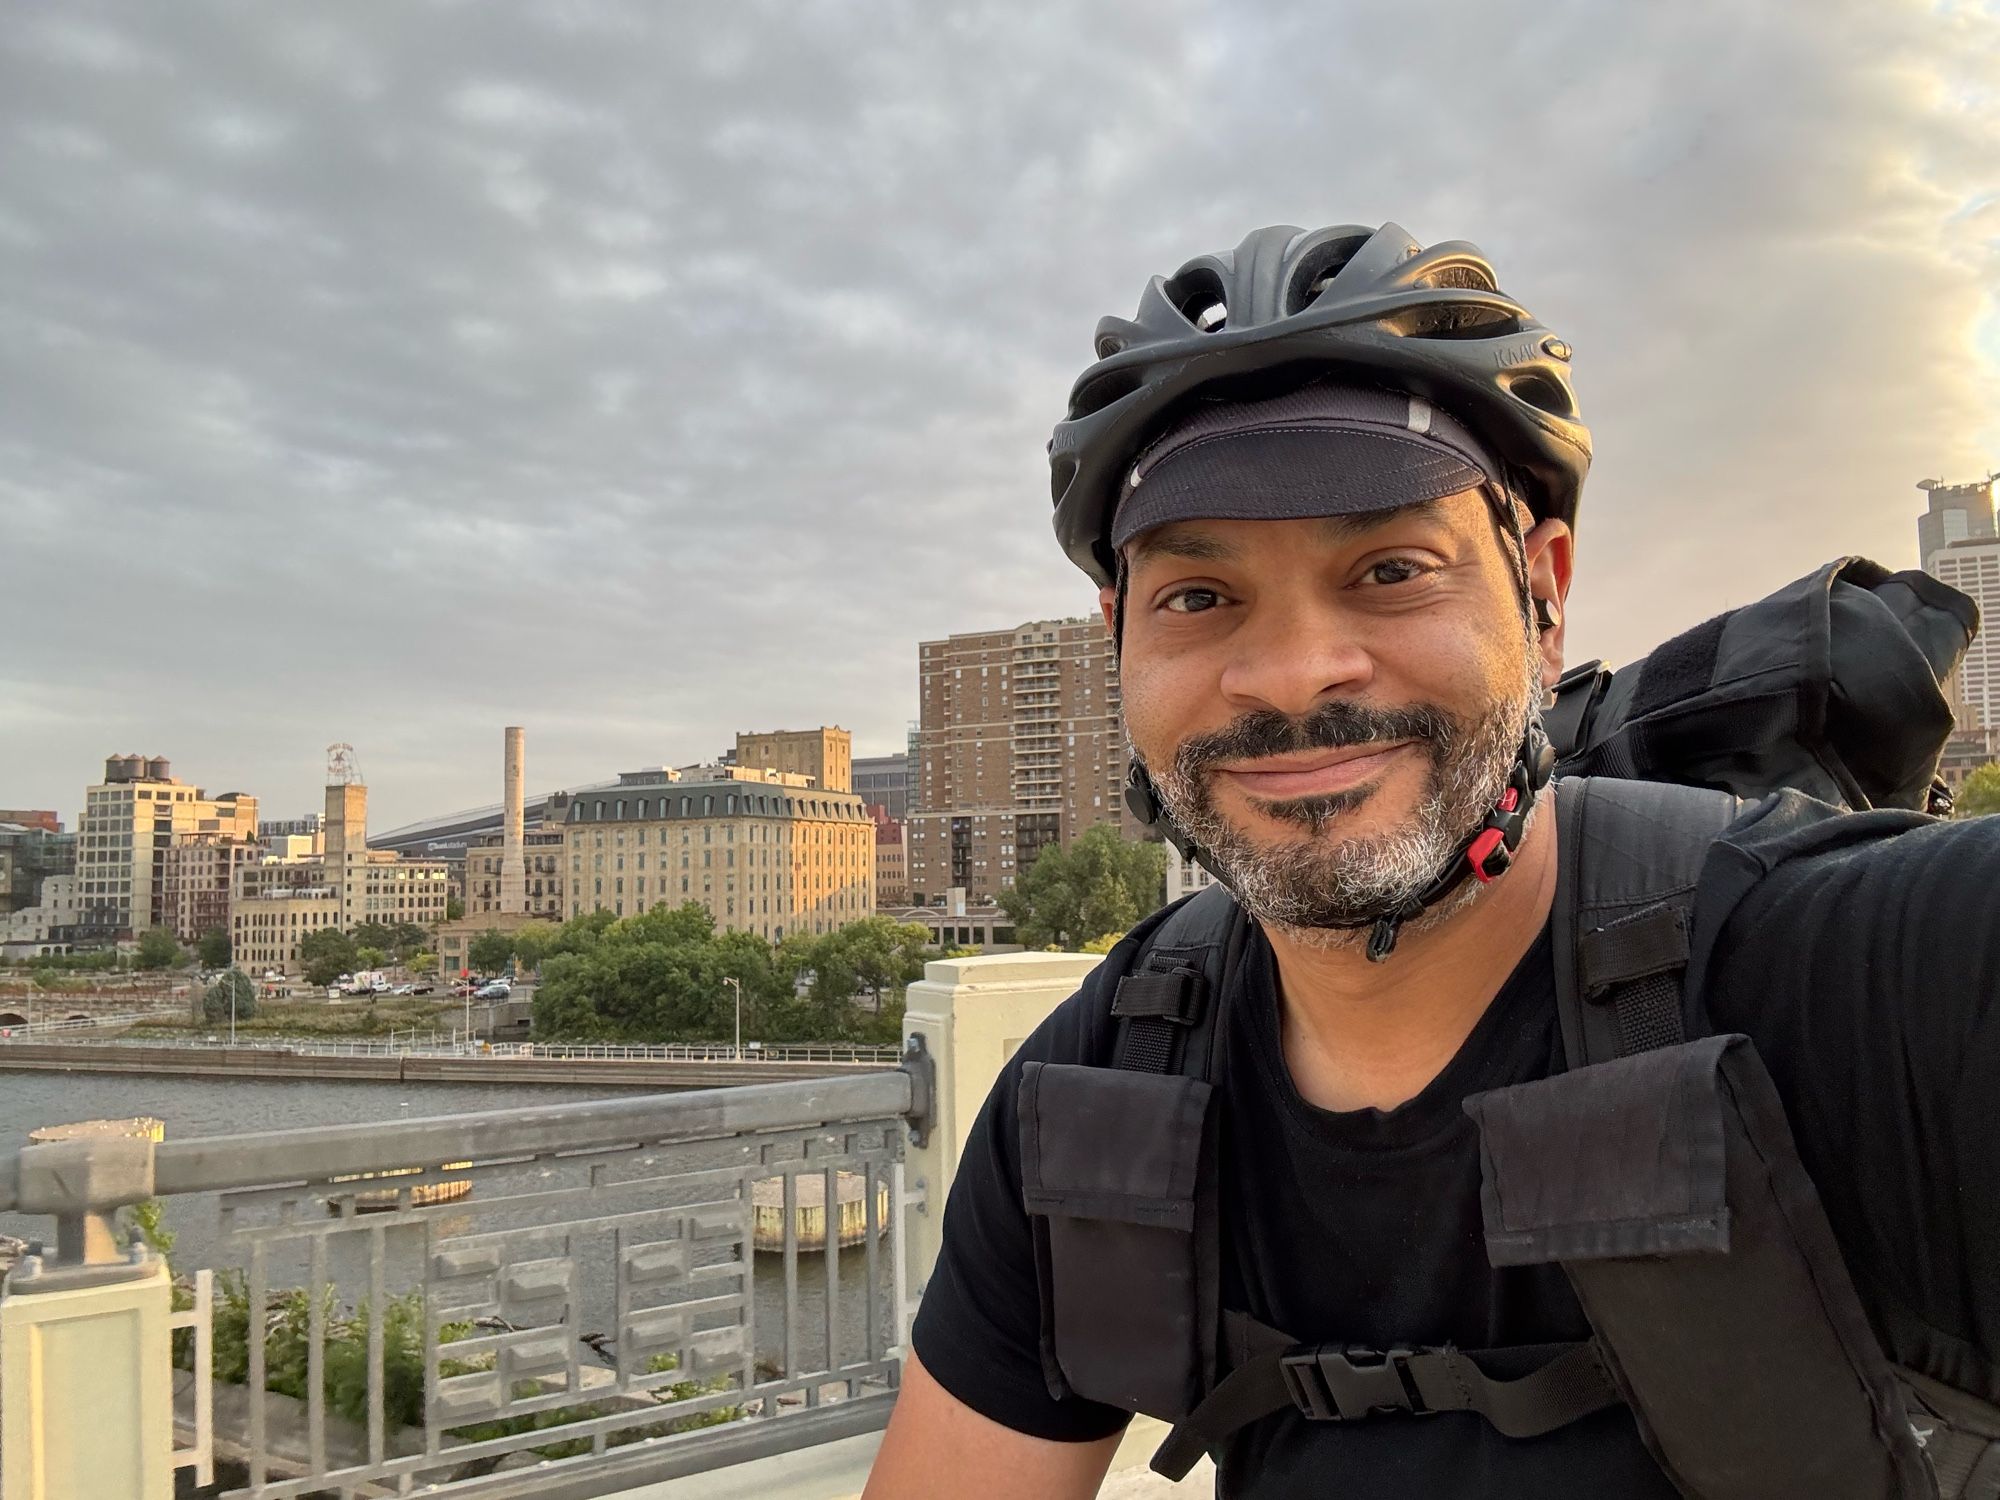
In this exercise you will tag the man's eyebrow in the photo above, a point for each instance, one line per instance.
(1346, 527)
(1167, 541)
(1199, 546)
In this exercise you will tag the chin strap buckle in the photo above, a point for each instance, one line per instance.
(1492, 848)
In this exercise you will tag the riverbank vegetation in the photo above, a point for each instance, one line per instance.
(665, 976)
(315, 1018)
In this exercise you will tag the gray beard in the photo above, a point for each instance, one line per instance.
(1324, 889)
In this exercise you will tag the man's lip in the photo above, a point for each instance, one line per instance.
(1304, 776)
(1317, 760)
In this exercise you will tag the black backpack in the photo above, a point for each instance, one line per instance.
(1827, 687)
(1722, 1311)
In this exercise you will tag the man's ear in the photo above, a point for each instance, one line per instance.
(1107, 603)
(1550, 550)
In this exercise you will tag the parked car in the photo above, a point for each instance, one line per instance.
(404, 989)
(499, 989)
(423, 989)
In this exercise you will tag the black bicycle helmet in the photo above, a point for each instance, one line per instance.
(1291, 305)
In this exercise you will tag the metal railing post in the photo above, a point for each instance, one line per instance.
(85, 1384)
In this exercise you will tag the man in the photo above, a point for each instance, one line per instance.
(1328, 487)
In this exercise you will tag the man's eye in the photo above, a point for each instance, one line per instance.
(1192, 601)
(1393, 570)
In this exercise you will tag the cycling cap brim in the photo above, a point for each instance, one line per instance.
(1320, 450)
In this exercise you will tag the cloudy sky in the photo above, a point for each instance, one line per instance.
(387, 373)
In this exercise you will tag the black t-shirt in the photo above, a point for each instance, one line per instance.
(1865, 970)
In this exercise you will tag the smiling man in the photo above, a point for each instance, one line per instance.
(1326, 1150)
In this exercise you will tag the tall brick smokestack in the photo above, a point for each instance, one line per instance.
(513, 863)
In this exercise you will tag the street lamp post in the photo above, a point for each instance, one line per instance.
(737, 985)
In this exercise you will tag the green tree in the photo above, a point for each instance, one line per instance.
(214, 949)
(215, 1003)
(875, 956)
(370, 958)
(1100, 884)
(327, 954)
(423, 963)
(453, 908)
(397, 941)
(533, 942)
(158, 949)
(1980, 796)
(655, 977)
(488, 953)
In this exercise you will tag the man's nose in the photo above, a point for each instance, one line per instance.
(1292, 654)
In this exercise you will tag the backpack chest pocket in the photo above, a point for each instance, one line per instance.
(1667, 1186)
(1110, 1160)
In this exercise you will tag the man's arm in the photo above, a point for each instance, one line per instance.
(1868, 974)
(937, 1446)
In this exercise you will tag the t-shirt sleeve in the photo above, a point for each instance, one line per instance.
(1868, 973)
(978, 1327)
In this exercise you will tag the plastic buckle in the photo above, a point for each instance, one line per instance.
(1344, 1385)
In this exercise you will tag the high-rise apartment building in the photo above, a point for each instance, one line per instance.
(1974, 568)
(30, 853)
(884, 781)
(1959, 544)
(764, 851)
(825, 754)
(197, 877)
(1019, 746)
(1955, 513)
(130, 820)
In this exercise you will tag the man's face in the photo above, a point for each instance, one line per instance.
(1329, 707)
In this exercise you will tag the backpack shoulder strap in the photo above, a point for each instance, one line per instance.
(1630, 854)
(1165, 1005)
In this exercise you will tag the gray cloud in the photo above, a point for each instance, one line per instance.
(393, 372)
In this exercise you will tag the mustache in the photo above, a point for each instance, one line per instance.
(1332, 726)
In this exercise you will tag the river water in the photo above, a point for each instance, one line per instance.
(193, 1107)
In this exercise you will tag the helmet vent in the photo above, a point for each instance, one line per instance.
(1095, 395)
(1544, 394)
(1317, 268)
(1198, 294)
(1455, 320)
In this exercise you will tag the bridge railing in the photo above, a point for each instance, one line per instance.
(560, 1301)
(29, 1031)
(456, 1045)
(640, 1288)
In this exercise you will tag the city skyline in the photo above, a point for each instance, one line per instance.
(388, 381)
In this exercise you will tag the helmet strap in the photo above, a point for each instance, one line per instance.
(1489, 853)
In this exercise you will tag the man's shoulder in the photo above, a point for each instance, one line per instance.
(1082, 1028)
(1875, 913)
